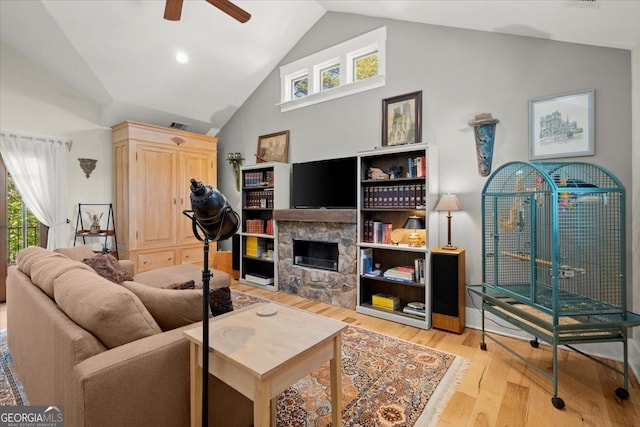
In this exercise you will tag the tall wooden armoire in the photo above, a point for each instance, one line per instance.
(153, 166)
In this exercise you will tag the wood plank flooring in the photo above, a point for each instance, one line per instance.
(498, 389)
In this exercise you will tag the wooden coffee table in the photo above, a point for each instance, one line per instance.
(260, 355)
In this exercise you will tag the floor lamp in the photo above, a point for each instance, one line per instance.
(212, 216)
(448, 202)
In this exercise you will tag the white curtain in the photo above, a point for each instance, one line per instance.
(38, 166)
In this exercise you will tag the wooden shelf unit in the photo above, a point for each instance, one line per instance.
(265, 187)
(395, 213)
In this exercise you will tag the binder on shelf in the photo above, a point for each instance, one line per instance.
(387, 302)
(258, 279)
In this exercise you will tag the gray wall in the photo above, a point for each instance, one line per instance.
(461, 73)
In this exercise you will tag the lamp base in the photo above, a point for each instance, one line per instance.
(449, 247)
(415, 241)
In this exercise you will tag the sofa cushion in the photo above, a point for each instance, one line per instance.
(77, 253)
(107, 266)
(171, 308)
(44, 266)
(108, 311)
(165, 276)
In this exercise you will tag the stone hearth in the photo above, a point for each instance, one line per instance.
(324, 225)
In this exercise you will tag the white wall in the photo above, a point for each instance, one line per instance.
(35, 102)
(635, 196)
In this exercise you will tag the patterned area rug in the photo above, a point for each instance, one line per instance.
(386, 382)
(11, 392)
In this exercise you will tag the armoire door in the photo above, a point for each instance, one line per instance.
(155, 196)
(202, 167)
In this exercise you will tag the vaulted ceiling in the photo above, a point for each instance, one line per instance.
(121, 53)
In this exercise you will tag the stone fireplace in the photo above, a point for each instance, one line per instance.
(325, 263)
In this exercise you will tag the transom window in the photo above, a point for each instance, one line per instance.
(345, 69)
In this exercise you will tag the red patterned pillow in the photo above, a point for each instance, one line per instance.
(107, 266)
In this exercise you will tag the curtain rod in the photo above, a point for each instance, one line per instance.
(40, 138)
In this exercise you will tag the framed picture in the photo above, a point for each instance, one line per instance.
(273, 147)
(402, 119)
(561, 126)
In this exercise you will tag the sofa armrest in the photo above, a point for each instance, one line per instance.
(146, 383)
(127, 264)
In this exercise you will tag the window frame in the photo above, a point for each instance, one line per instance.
(341, 55)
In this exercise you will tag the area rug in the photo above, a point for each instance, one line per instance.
(386, 382)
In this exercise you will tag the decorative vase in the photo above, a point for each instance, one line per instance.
(484, 129)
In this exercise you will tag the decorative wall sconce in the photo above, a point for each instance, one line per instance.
(484, 129)
(87, 166)
(235, 160)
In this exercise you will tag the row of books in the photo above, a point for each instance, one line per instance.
(376, 231)
(416, 167)
(258, 248)
(259, 199)
(408, 274)
(394, 196)
(259, 226)
(258, 179)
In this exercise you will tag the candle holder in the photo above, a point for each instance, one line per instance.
(235, 160)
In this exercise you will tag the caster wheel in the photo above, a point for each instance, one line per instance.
(483, 346)
(558, 403)
(622, 393)
(534, 343)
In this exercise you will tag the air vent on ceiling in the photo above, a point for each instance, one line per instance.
(590, 4)
(179, 126)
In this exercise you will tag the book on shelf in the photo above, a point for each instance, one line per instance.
(366, 261)
(402, 273)
(414, 311)
(258, 279)
(387, 302)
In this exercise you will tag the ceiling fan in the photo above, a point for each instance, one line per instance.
(173, 10)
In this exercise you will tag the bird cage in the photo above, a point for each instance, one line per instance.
(553, 248)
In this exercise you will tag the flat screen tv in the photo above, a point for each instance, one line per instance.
(330, 184)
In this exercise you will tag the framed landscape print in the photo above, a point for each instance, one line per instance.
(273, 147)
(561, 126)
(401, 119)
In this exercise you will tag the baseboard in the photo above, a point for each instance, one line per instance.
(499, 326)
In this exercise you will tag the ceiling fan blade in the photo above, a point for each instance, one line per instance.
(231, 9)
(173, 10)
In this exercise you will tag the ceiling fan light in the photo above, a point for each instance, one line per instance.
(182, 58)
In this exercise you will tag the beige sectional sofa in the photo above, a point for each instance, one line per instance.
(93, 347)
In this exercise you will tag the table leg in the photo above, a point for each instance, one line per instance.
(195, 372)
(336, 382)
(261, 404)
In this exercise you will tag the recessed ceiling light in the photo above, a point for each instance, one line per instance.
(182, 58)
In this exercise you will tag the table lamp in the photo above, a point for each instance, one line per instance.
(414, 223)
(448, 202)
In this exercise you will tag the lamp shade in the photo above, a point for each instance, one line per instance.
(414, 223)
(212, 211)
(448, 202)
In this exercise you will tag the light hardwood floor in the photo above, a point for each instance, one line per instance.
(498, 389)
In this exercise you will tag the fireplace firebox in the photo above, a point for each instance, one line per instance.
(315, 254)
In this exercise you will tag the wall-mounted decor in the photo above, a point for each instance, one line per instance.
(273, 147)
(235, 160)
(402, 119)
(484, 130)
(561, 126)
(87, 166)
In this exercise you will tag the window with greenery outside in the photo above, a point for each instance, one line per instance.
(23, 228)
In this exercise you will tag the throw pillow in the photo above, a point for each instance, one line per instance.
(107, 266)
(189, 284)
(220, 301)
(170, 308)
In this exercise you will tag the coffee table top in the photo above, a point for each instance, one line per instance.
(261, 343)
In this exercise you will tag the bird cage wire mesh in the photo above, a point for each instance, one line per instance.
(554, 238)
